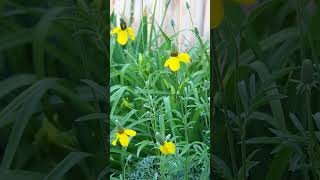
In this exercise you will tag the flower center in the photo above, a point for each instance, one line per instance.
(123, 26)
(174, 54)
(120, 130)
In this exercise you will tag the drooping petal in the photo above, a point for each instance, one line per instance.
(130, 132)
(131, 33)
(115, 31)
(245, 1)
(184, 57)
(122, 37)
(124, 140)
(163, 150)
(171, 148)
(218, 13)
(173, 63)
(114, 142)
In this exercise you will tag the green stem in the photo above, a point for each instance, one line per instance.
(152, 26)
(311, 131)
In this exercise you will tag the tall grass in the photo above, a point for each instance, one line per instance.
(148, 98)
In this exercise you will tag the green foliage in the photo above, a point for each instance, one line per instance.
(147, 97)
(51, 55)
(268, 91)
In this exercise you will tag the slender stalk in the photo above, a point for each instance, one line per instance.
(152, 26)
(311, 131)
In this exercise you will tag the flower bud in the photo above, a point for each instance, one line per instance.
(159, 138)
(172, 22)
(187, 5)
(123, 24)
(196, 31)
(307, 72)
(174, 49)
(129, 157)
(119, 127)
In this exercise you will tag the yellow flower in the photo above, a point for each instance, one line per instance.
(167, 148)
(218, 11)
(123, 136)
(173, 63)
(123, 33)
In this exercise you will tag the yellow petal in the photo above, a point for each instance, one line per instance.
(124, 140)
(163, 150)
(115, 31)
(218, 13)
(171, 148)
(130, 132)
(245, 1)
(184, 57)
(131, 33)
(114, 142)
(173, 63)
(122, 37)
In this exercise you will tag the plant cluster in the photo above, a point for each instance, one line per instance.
(160, 102)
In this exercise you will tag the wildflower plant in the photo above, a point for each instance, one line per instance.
(167, 94)
(123, 33)
(123, 135)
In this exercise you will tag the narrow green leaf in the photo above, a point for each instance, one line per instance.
(15, 82)
(65, 165)
(29, 106)
(40, 33)
(243, 95)
(92, 117)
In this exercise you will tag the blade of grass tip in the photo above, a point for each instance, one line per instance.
(15, 82)
(260, 10)
(93, 116)
(65, 165)
(17, 102)
(167, 3)
(166, 38)
(115, 97)
(28, 108)
(276, 106)
(40, 33)
(98, 88)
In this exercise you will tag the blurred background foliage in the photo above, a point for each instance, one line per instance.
(267, 91)
(53, 74)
